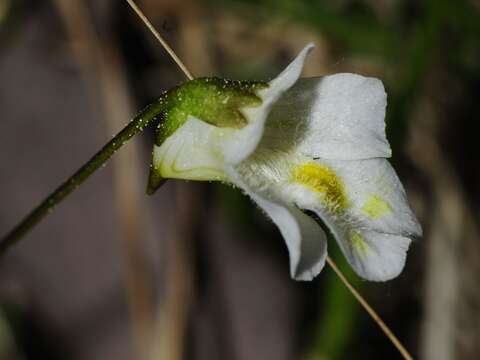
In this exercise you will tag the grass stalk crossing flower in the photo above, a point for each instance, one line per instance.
(249, 138)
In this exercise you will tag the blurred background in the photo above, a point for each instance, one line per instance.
(196, 271)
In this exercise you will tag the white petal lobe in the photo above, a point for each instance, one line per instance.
(339, 116)
(377, 199)
(380, 257)
(364, 205)
(244, 141)
(306, 241)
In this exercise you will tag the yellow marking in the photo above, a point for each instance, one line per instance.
(376, 207)
(358, 242)
(324, 182)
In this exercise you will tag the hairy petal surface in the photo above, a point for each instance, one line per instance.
(244, 142)
(339, 116)
(376, 197)
(306, 241)
(364, 206)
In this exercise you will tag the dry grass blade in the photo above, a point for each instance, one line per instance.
(391, 336)
(157, 35)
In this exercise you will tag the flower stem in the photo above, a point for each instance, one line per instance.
(142, 119)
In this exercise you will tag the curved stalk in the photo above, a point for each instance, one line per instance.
(142, 119)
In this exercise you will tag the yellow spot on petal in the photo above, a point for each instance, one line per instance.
(323, 181)
(358, 242)
(376, 207)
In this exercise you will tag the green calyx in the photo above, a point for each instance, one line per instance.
(213, 100)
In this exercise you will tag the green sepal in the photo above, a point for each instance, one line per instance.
(155, 181)
(213, 100)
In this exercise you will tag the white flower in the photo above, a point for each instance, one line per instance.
(314, 145)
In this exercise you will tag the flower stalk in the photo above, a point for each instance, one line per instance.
(138, 123)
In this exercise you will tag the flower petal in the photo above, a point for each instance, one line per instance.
(364, 205)
(193, 152)
(339, 116)
(377, 199)
(373, 255)
(245, 141)
(306, 241)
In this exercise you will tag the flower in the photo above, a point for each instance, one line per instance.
(300, 148)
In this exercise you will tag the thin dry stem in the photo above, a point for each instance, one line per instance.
(373, 314)
(403, 351)
(159, 37)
